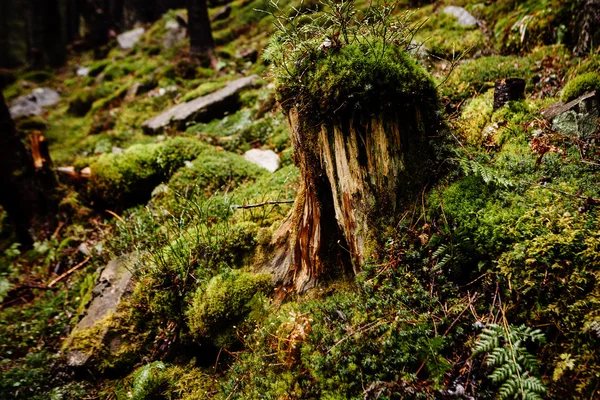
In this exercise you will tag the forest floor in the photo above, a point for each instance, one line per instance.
(488, 285)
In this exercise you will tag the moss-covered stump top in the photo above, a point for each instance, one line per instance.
(372, 77)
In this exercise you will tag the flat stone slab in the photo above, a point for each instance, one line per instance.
(114, 284)
(129, 39)
(202, 108)
(34, 102)
(577, 117)
(266, 159)
(464, 17)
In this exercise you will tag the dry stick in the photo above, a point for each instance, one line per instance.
(471, 300)
(266, 203)
(61, 277)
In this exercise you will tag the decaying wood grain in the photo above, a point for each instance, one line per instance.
(354, 174)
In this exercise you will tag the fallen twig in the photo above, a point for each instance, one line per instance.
(266, 203)
(69, 272)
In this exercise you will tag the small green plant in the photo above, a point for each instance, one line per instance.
(579, 85)
(514, 366)
(344, 59)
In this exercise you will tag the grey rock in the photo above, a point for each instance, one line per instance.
(34, 102)
(129, 39)
(83, 71)
(84, 249)
(266, 159)
(575, 118)
(114, 284)
(175, 34)
(464, 17)
(132, 92)
(203, 108)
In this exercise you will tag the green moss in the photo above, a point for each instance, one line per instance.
(129, 177)
(83, 100)
(475, 116)
(227, 299)
(356, 78)
(211, 172)
(445, 37)
(203, 89)
(579, 85)
(97, 67)
(37, 76)
(479, 75)
(531, 23)
(150, 381)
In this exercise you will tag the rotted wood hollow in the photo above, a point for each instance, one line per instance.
(356, 173)
(508, 89)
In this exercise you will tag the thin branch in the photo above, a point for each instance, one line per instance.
(69, 272)
(266, 203)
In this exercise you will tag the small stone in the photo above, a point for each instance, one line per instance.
(175, 34)
(86, 172)
(464, 17)
(84, 249)
(266, 159)
(34, 102)
(83, 71)
(132, 91)
(576, 118)
(129, 39)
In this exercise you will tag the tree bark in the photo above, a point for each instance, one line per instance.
(95, 16)
(47, 46)
(27, 184)
(201, 41)
(356, 174)
(509, 89)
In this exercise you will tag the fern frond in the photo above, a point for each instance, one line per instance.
(513, 364)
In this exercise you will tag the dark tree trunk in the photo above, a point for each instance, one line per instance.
(72, 23)
(13, 34)
(96, 18)
(46, 45)
(28, 184)
(201, 41)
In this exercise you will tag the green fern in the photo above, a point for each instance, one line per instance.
(514, 367)
(472, 167)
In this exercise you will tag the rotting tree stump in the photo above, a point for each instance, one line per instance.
(509, 89)
(355, 175)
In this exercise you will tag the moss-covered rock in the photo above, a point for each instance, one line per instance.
(226, 300)
(211, 172)
(82, 102)
(128, 178)
(579, 85)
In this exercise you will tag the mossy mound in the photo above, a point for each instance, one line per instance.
(357, 77)
(82, 102)
(445, 37)
(210, 172)
(579, 85)
(227, 299)
(128, 178)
